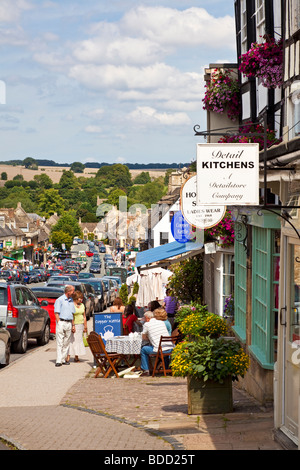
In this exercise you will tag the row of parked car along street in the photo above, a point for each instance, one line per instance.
(28, 312)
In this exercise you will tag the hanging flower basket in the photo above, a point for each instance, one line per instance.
(264, 61)
(223, 232)
(222, 94)
(250, 128)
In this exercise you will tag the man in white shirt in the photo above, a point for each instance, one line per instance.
(64, 309)
(152, 331)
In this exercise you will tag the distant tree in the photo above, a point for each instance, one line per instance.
(50, 202)
(29, 162)
(68, 180)
(43, 180)
(142, 178)
(18, 178)
(4, 175)
(116, 175)
(77, 167)
(114, 196)
(59, 237)
(69, 224)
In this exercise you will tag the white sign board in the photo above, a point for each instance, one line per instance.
(201, 217)
(228, 174)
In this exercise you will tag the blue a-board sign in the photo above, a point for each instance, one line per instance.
(180, 228)
(108, 324)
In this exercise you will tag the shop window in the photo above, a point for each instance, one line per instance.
(260, 19)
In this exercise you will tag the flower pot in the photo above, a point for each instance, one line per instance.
(209, 397)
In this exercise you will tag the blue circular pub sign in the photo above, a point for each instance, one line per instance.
(180, 228)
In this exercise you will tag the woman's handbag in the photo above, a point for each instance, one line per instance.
(85, 340)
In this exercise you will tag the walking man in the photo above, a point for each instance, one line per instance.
(63, 310)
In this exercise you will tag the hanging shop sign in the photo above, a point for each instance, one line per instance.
(228, 174)
(180, 228)
(201, 217)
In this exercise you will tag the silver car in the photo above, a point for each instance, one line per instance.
(23, 316)
(5, 343)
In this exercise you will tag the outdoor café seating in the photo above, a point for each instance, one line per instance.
(107, 362)
(161, 358)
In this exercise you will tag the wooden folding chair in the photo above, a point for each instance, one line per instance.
(161, 357)
(107, 362)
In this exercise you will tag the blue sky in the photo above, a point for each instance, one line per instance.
(117, 81)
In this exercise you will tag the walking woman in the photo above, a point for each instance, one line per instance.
(77, 347)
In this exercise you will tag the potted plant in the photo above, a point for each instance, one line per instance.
(222, 94)
(264, 61)
(210, 365)
(251, 128)
(196, 321)
(223, 232)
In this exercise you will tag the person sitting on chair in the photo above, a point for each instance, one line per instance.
(128, 317)
(153, 329)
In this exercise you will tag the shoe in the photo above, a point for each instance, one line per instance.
(58, 364)
(67, 363)
(145, 373)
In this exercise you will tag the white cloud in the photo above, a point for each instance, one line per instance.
(10, 10)
(95, 114)
(171, 27)
(145, 115)
(93, 129)
(125, 50)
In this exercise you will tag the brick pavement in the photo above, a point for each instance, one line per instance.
(44, 407)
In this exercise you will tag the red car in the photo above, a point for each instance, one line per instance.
(50, 294)
(89, 253)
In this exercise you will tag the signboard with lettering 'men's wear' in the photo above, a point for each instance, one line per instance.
(228, 174)
(201, 217)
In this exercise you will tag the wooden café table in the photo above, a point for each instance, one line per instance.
(129, 345)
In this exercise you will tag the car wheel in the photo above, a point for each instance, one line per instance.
(44, 339)
(20, 346)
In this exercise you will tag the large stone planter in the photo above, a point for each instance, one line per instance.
(209, 397)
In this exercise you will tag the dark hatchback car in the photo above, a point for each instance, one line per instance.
(95, 268)
(23, 316)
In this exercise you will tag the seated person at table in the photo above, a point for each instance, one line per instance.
(128, 318)
(153, 330)
(117, 306)
(153, 305)
(161, 314)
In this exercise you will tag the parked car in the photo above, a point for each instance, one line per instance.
(92, 296)
(59, 278)
(100, 291)
(48, 294)
(110, 289)
(32, 277)
(95, 268)
(85, 275)
(89, 307)
(40, 275)
(102, 249)
(115, 278)
(7, 275)
(5, 345)
(23, 316)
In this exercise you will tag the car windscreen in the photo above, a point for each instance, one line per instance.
(3, 295)
(97, 286)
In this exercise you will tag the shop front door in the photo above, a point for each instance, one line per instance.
(292, 342)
